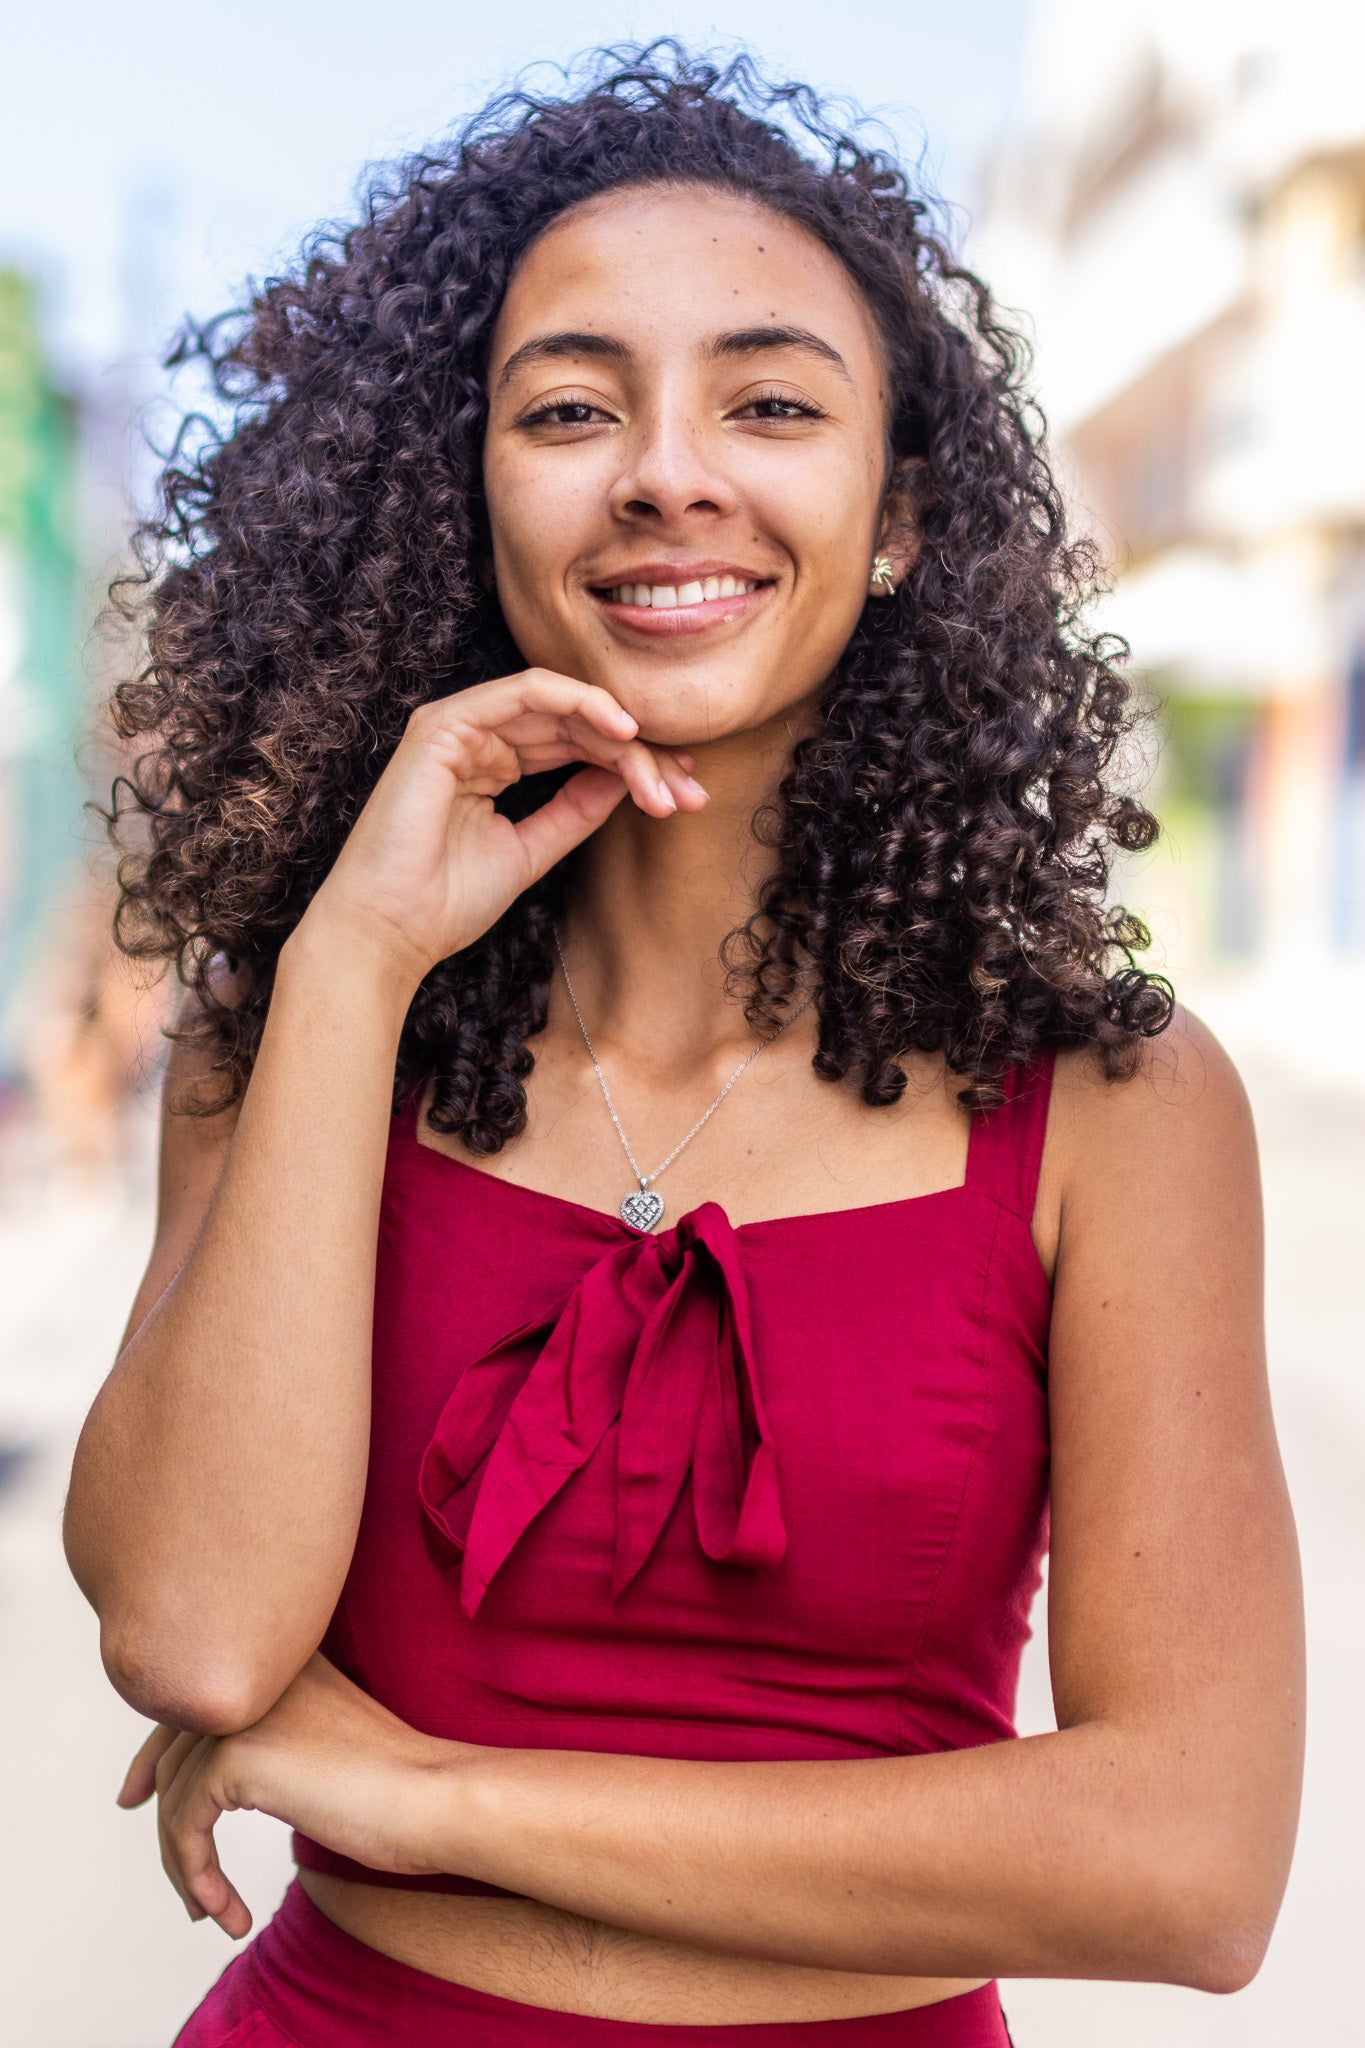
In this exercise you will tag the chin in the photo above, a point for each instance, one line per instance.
(688, 707)
(687, 720)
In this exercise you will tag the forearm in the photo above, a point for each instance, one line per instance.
(217, 1483)
(1072, 1854)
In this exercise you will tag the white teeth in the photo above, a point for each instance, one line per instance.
(667, 596)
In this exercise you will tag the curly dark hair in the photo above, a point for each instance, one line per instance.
(942, 843)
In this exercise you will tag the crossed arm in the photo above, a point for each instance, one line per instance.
(1149, 1837)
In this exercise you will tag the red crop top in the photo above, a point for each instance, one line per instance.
(773, 1491)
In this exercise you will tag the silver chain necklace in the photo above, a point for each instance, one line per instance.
(643, 1206)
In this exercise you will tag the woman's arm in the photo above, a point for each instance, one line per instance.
(217, 1482)
(1149, 1838)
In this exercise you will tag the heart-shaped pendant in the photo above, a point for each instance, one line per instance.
(642, 1208)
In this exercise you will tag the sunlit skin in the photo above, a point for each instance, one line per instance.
(730, 415)
(668, 422)
(683, 386)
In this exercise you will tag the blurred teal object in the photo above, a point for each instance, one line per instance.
(40, 680)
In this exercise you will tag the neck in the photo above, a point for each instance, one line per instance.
(653, 898)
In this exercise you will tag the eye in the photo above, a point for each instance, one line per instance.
(564, 412)
(779, 406)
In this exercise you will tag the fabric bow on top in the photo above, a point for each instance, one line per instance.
(656, 1334)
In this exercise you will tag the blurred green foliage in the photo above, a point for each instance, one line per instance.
(41, 587)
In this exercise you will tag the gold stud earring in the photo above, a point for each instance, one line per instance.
(883, 581)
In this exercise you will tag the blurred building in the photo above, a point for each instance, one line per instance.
(1180, 206)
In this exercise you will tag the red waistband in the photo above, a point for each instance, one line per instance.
(317, 1984)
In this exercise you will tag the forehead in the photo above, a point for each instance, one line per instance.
(677, 264)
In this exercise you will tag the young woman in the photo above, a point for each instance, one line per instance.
(669, 1162)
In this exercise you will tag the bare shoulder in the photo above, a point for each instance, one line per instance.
(1183, 1101)
(1142, 1153)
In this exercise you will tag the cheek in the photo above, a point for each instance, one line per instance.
(529, 511)
(542, 519)
(826, 514)
(832, 539)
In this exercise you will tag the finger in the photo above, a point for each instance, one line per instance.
(531, 723)
(171, 1867)
(577, 809)
(688, 793)
(541, 689)
(657, 782)
(173, 1792)
(171, 1778)
(533, 694)
(140, 1779)
(198, 1812)
(539, 721)
(546, 742)
(172, 1758)
(170, 1864)
(643, 776)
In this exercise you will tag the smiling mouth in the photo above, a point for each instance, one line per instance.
(684, 605)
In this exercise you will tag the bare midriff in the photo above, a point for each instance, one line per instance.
(537, 1955)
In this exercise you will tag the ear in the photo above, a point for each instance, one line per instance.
(898, 540)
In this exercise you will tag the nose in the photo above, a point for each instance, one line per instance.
(674, 470)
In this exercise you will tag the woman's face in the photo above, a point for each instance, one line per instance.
(686, 458)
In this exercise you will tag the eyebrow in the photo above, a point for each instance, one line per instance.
(741, 341)
(544, 348)
(754, 341)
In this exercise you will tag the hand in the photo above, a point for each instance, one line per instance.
(429, 864)
(326, 1758)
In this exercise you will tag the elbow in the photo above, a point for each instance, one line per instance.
(1193, 1895)
(1223, 1958)
(167, 1645)
(160, 1657)
(183, 1690)
(1217, 1925)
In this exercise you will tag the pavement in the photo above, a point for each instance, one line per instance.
(98, 1951)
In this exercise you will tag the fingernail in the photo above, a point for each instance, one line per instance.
(693, 783)
(666, 795)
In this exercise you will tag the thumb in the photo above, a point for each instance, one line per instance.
(573, 813)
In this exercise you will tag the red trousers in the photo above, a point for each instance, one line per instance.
(302, 1983)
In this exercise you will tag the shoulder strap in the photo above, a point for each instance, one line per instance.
(1005, 1150)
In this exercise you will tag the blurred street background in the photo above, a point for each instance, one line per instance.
(1173, 192)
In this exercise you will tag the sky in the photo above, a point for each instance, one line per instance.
(152, 158)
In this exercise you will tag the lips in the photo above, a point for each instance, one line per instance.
(669, 598)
